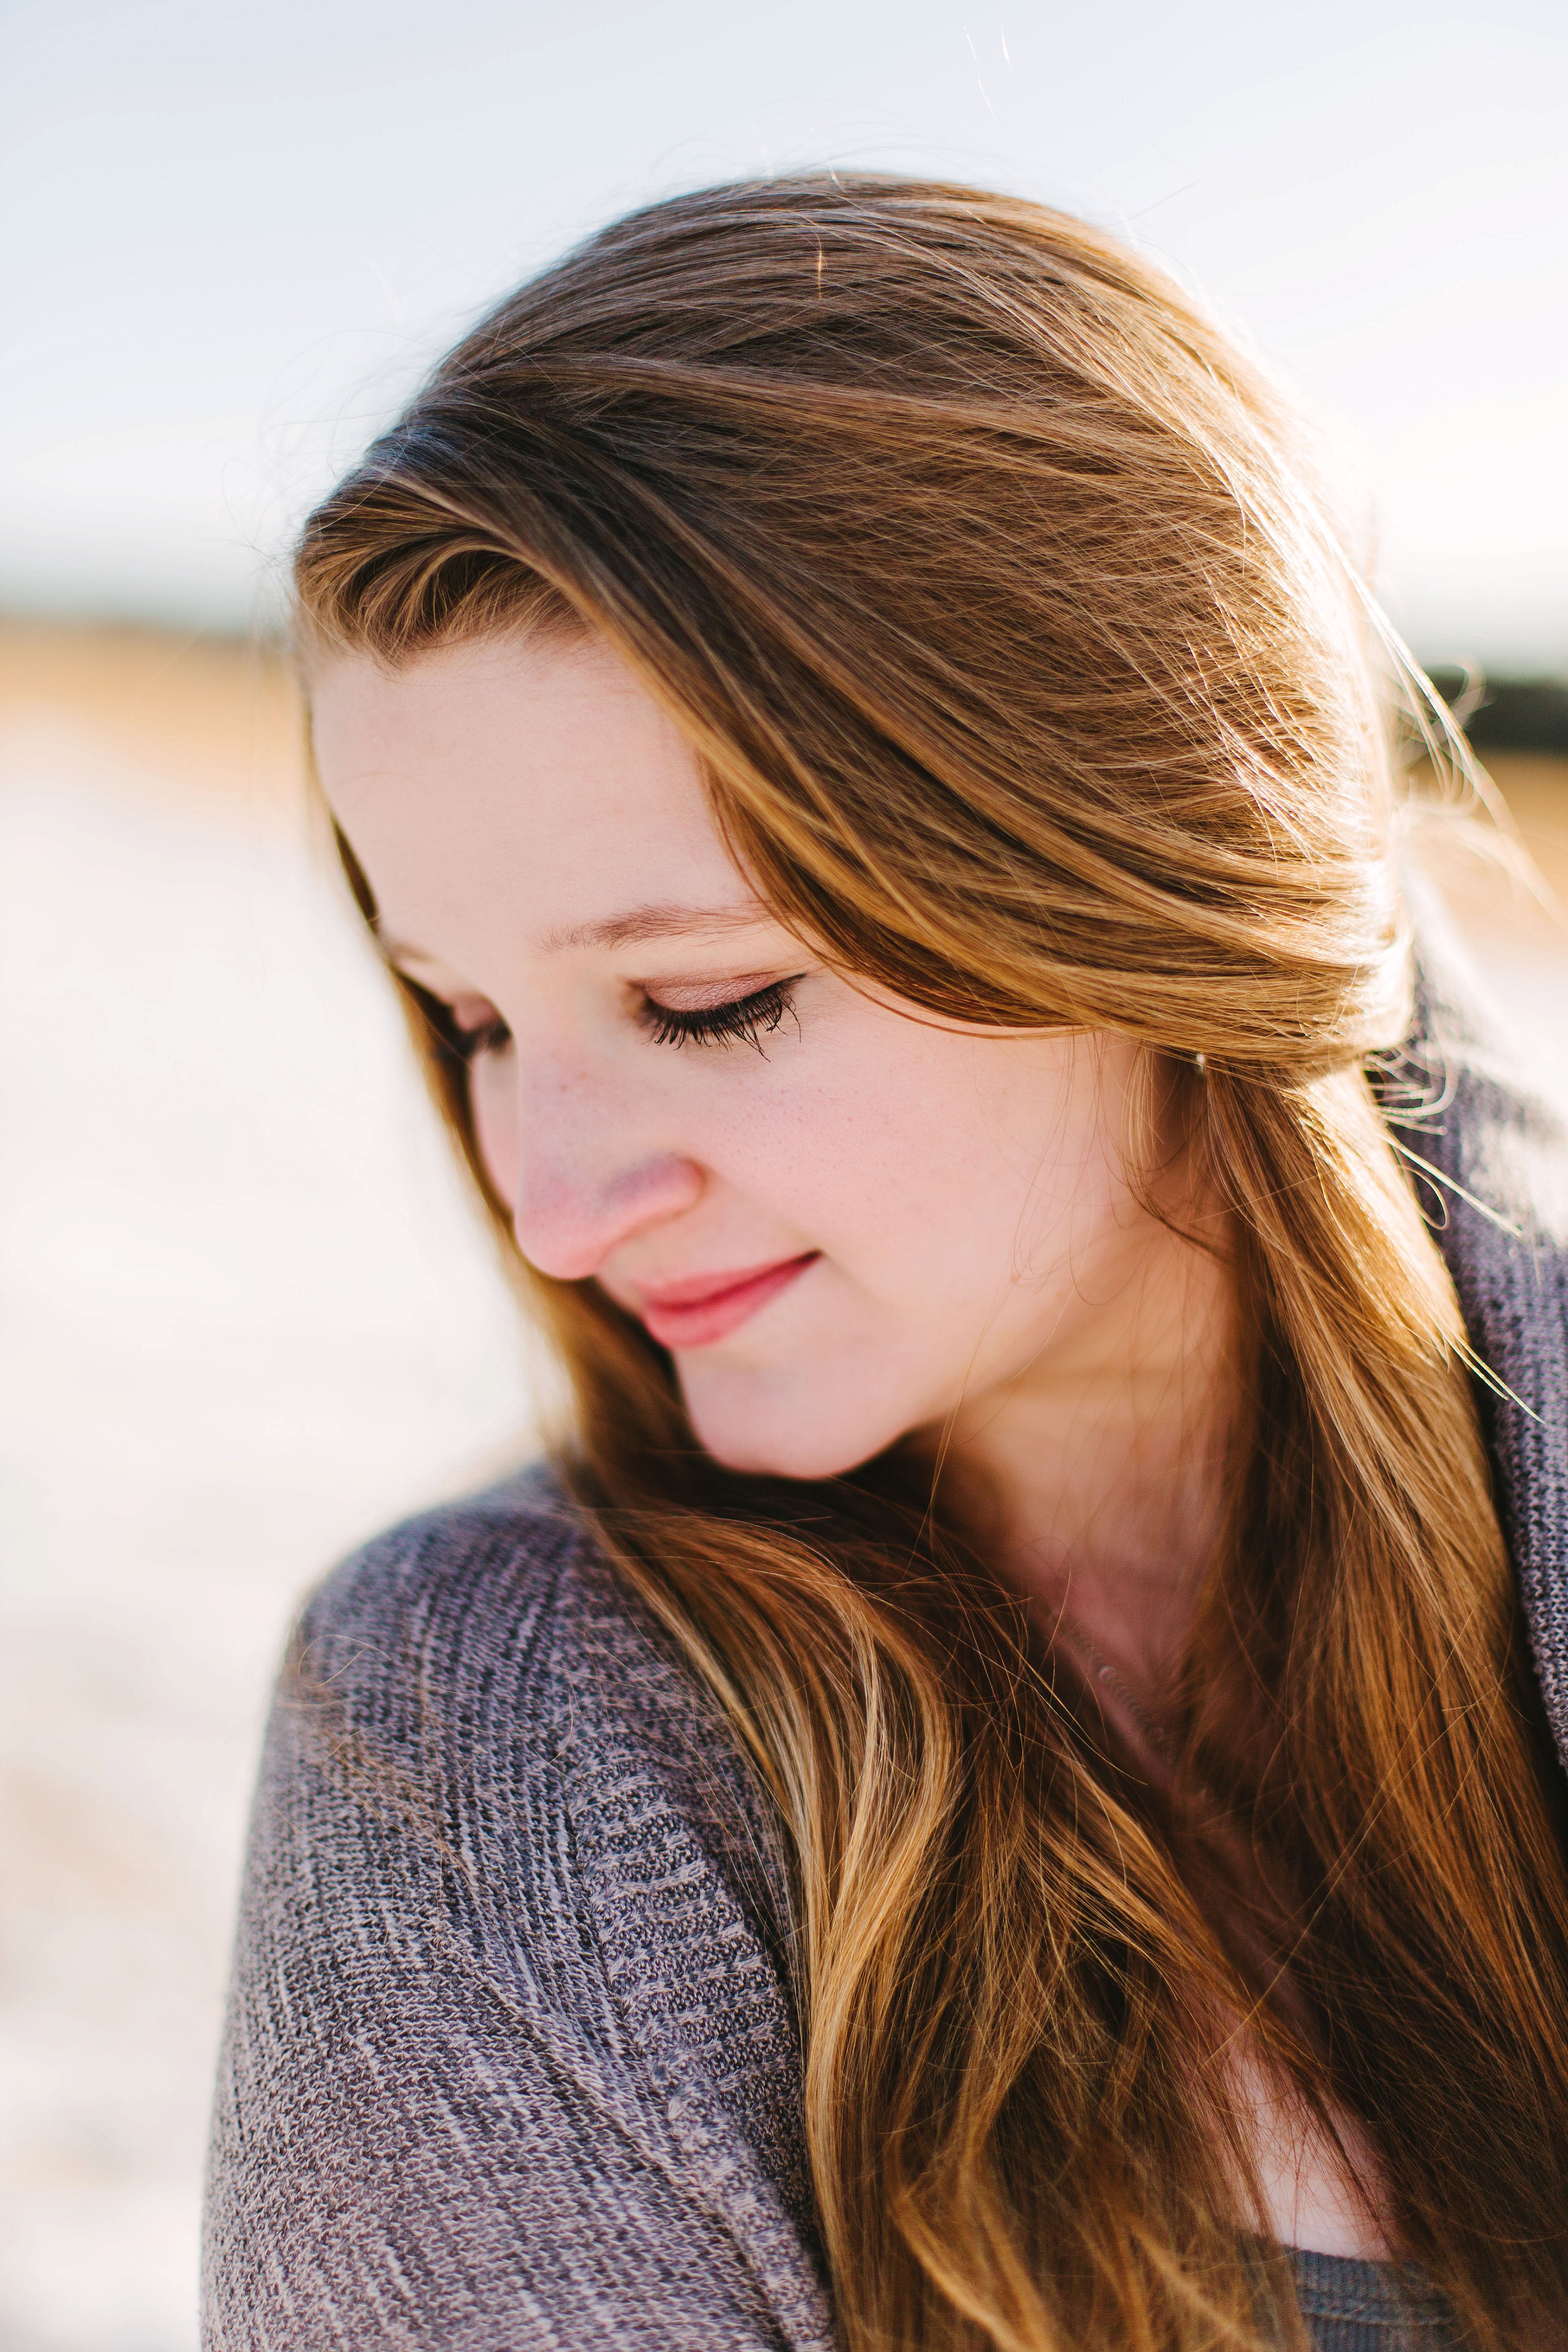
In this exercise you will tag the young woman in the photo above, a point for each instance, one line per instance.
(999, 1792)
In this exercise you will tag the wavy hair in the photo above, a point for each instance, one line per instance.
(991, 586)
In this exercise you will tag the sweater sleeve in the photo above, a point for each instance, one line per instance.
(435, 2127)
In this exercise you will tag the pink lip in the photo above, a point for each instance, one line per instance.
(708, 1306)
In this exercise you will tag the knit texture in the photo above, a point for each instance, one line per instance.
(1352, 2306)
(510, 2060)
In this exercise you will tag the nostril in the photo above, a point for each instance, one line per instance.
(569, 1227)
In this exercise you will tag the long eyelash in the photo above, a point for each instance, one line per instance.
(744, 1022)
(489, 1038)
(464, 1045)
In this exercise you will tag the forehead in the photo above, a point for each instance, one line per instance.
(527, 786)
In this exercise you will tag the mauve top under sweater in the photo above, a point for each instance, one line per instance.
(509, 2061)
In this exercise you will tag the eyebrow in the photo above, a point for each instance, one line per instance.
(656, 923)
(638, 923)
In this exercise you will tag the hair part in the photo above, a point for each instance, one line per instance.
(992, 587)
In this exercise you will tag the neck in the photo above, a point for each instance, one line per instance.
(1107, 1456)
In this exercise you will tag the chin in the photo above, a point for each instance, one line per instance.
(777, 1426)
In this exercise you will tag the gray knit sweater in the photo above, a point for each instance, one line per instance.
(509, 2061)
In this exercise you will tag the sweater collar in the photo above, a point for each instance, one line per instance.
(1503, 1224)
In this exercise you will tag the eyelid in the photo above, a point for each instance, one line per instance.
(467, 1025)
(733, 1021)
(680, 995)
(471, 1011)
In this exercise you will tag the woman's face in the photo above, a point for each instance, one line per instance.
(845, 1222)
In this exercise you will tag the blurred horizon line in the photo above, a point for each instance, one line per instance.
(1509, 709)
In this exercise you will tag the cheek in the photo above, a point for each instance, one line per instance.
(960, 1191)
(493, 1107)
(964, 1201)
(929, 1168)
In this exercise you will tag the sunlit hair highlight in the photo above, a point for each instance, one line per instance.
(990, 585)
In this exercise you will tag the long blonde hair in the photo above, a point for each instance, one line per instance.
(988, 580)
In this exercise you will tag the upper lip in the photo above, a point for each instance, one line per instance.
(699, 1288)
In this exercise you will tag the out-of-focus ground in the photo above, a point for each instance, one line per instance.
(247, 1320)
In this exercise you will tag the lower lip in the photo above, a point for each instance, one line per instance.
(707, 1320)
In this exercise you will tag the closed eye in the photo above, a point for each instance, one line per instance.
(465, 1041)
(490, 1038)
(743, 1020)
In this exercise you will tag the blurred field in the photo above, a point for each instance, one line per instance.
(246, 1321)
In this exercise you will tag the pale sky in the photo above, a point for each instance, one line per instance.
(233, 236)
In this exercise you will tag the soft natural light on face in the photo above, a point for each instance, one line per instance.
(248, 1312)
(845, 1224)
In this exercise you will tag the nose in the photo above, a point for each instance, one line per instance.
(586, 1182)
(570, 1223)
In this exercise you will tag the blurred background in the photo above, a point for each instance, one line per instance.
(246, 1316)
